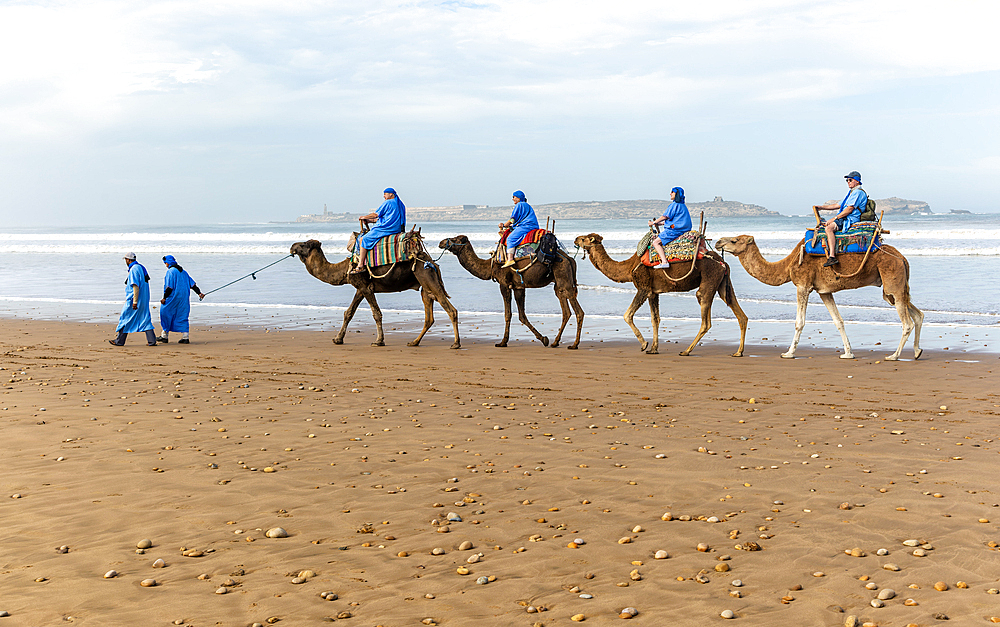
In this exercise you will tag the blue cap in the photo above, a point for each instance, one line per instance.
(169, 259)
(388, 190)
(519, 194)
(853, 175)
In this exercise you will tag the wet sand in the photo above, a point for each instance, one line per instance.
(362, 453)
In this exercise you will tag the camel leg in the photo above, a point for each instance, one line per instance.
(918, 321)
(742, 319)
(579, 322)
(654, 317)
(705, 299)
(903, 309)
(377, 315)
(564, 305)
(523, 317)
(432, 285)
(802, 300)
(348, 315)
(505, 294)
(428, 316)
(838, 321)
(640, 298)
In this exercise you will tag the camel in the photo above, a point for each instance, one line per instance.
(525, 274)
(710, 275)
(886, 268)
(414, 274)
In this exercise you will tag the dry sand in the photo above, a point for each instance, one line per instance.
(370, 449)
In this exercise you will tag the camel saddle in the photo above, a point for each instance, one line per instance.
(389, 249)
(853, 240)
(530, 245)
(685, 248)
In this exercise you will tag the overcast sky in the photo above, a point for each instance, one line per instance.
(190, 112)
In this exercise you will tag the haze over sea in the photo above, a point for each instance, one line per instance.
(77, 274)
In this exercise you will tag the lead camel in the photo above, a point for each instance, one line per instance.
(402, 276)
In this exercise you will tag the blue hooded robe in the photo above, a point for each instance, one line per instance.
(136, 320)
(676, 214)
(524, 222)
(391, 220)
(174, 314)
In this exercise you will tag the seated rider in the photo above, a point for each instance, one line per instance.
(849, 213)
(676, 221)
(389, 219)
(522, 221)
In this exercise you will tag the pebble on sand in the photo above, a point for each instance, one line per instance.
(704, 548)
(940, 586)
(661, 555)
(892, 567)
(628, 612)
(728, 614)
(147, 583)
(886, 593)
(276, 532)
(221, 590)
(465, 546)
(144, 544)
(579, 618)
(111, 574)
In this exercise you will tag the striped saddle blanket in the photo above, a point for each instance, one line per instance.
(684, 248)
(389, 249)
(853, 240)
(533, 237)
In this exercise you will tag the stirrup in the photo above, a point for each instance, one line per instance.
(508, 263)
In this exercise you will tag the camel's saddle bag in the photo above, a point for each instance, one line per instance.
(853, 240)
(684, 248)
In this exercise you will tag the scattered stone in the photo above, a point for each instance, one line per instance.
(911, 542)
(465, 546)
(63, 549)
(892, 567)
(704, 548)
(579, 618)
(910, 603)
(159, 564)
(722, 568)
(147, 583)
(886, 594)
(877, 603)
(276, 532)
(111, 574)
(736, 583)
(851, 621)
(961, 584)
(628, 612)
(437, 551)
(144, 544)
(882, 552)
(221, 590)
(940, 586)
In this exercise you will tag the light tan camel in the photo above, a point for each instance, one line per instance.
(407, 275)
(562, 274)
(710, 275)
(886, 267)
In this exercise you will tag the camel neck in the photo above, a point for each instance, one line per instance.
(618, 271)
(763, 270)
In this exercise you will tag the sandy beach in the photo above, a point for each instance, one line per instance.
(384, 465)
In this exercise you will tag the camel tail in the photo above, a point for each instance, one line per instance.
(726, 290)
(437, 269)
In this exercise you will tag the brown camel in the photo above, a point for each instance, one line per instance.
(886, 267)
(406, 275)
(514, 280)
(710, 275)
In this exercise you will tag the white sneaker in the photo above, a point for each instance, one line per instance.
(665, 264)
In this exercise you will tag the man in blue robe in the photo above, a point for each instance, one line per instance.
(522, 221)
(389, 219)
(676, 220)
(850, 209)
(175, 306)
(135, 313)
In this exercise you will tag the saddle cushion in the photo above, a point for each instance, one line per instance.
(853, 240)
(532, 237)
(389, 249)
(684, 248)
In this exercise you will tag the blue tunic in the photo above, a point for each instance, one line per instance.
(677, 215)
(135, 320)
(858, 199)
(524, 222)
(174, 314)
(391, 220)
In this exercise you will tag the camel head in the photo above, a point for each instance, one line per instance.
(302, 250)
(735, 245)
(452, 244)
(586, 241)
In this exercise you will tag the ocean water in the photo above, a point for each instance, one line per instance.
(77, 274)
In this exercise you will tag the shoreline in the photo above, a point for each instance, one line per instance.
(363, 454)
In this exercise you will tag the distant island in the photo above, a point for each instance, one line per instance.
(605, 209)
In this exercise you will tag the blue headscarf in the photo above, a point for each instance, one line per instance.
(680, 194)
(519, 194)
(389, 190)
(169, 260)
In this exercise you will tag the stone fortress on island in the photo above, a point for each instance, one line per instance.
(604, 209)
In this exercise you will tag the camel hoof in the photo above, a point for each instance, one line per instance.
(554, 345)
(847, 356)
(684, 353)
(338, 340)
(740, 354)
(413, 343)
(545, 341)
(501, 345)
(378, 343)
(788, 355)
(644, 346)
(652, 351)
(917, 353)
(892, 358)
(572, 348)
(457, 345)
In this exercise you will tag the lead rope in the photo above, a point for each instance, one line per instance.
(252, 274)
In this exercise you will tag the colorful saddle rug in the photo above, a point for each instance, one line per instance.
(532, 237)
(853, 240)
(685, 248)
(389, 249)
(528, 249)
